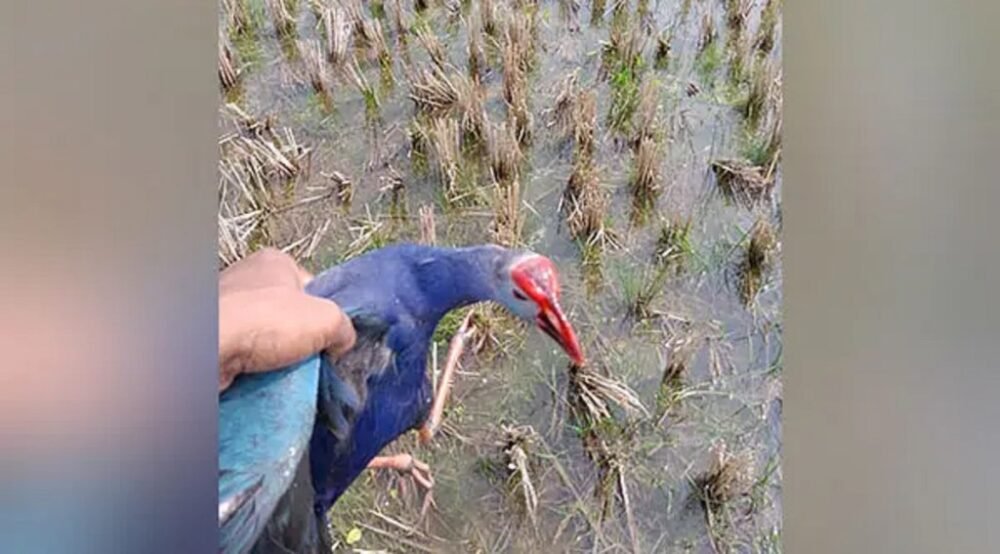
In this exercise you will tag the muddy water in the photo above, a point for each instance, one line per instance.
(733, 384)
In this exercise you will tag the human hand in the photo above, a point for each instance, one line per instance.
(267, 321)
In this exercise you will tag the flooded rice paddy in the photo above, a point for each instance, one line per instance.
(637, 144)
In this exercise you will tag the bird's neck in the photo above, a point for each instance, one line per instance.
(456, 277)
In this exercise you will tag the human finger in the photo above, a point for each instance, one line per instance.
(262, 330)
(267, 267)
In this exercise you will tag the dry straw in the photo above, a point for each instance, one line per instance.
(760, 253)
(283, 18)
(445, 142)
(516, 445)
(743, 182)
(337, 32)
(428, 232)
(594, 393)
(433, 91)
(507, 222)
(229, 75)
(585, 204)
(565, 104)
(645, 184)
(316, 68)
(239, 22)
(433, 46)
(505, 154)
(585, 123)
(730, 476)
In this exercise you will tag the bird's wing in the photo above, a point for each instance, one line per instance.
(366, 401)
(343, 389)
(265, 421)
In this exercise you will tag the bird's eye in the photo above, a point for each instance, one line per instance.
(519, 296)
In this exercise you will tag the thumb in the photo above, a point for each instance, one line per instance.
(331, 326)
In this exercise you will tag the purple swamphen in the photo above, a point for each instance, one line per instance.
(293, 440)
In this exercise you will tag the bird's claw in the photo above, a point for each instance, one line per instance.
(408, 465)
(420, 472)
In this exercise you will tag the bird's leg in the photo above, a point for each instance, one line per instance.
(455, 349)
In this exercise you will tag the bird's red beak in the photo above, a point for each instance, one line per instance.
(553, 322)
(537, 278)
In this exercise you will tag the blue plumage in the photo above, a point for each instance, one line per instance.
(362, 401)
(421, 284)
(264, 426)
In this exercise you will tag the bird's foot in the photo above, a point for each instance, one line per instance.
(408, 465)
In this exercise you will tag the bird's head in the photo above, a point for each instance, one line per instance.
(530, 289)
